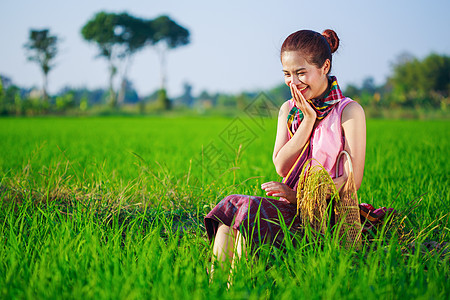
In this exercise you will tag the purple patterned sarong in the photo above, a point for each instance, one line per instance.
(257, 218)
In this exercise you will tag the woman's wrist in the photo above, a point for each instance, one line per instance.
(309, 118)
(339, 181)
(292, 197)
(307, 124)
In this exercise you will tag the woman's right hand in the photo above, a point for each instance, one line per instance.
(302, 104)
(278, 189)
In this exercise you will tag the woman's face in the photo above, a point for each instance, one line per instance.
(310, 80)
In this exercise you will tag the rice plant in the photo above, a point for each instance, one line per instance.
(114, 207)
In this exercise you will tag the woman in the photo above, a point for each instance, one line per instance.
(320, 124)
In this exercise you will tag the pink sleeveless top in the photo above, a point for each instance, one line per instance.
(327, 139)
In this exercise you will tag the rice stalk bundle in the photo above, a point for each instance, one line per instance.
(315, 185)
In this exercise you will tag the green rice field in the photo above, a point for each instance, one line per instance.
(113, 207)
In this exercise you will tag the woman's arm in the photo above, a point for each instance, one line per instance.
(286, 150)
(354, 126)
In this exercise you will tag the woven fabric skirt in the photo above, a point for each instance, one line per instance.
(257, 218)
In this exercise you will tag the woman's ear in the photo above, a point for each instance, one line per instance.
(326, 67)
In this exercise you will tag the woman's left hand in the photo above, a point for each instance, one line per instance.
(278, 189)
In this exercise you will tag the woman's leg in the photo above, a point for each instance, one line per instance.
(238, 251)
(239, 247)
(228, 245)
(223, 248)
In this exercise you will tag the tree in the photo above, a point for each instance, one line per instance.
(280, 93)
(352, 91)
(436, 69)
(132, 34)
(425, 82)
(187, 98)
(368, 85)
(167, 34)
(406, 77)
(119, 37)
(129, 93)
(100, 30)
(6, 81)
(42, 49)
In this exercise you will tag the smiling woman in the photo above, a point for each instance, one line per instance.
(315, 126)
(314, 61)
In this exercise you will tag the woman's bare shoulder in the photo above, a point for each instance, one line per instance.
(284, 109)
(353, 110)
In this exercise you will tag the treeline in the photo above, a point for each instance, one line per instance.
(18, 101)
(413, 84)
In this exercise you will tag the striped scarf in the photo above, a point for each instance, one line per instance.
(322, 106)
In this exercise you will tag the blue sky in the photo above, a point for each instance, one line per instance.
(234, 44)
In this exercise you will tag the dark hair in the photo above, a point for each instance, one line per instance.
(316, 47)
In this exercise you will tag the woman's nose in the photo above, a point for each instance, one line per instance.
(295, 80)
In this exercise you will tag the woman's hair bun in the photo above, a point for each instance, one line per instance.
(332, 39)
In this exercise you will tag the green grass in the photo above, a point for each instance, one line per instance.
(112, 208)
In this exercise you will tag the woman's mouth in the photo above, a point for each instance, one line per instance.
(302, 90)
